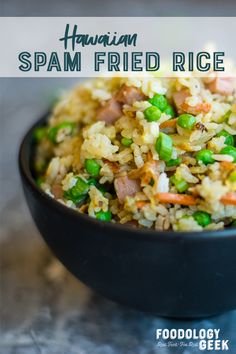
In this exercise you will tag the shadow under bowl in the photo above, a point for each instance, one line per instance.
(173, 274)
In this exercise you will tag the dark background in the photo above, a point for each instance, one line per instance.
(43, 309)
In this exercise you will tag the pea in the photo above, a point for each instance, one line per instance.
(170, 111)
(92, 167)
(152, 114)
(202, 218)
(229, 150)
(126, 142)
(180, 184)
(159, 101)
(229, 139)
(104, 215)
(186, 121)
(205, 156)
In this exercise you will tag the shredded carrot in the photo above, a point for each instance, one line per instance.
(204, 107)
(175, 198)
(169, 123)
(226, 165)
(229, 198)
(141, 203)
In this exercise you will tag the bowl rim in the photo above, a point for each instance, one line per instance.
(137, 233)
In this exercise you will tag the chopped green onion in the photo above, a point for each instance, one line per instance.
(52, 134)
(174, 162)
(202, 218)
(40, 133)
(159, 101)
(205, 156)
(227, 115)
(229, 150)
(78, 192)
(101, 188)
(152, 114)
(170, 111)
(92, 182)
(233, 223)
(126, 142)
(186, 121)
(180, 184)
(164, 147)
(68, 127)
(229, 139)
(104, 215)
(92, 167)
(232, 176)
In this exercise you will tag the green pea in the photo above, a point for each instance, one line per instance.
(229, 150)
(69, 128)
(159, 101)
(229, 139)
(180, 184)
(126, 142)
(92, 167)
(152, 114)
(170, 111)
(104, 215)
(78, 192)
(186, 121)
(174, 162)
(205, 156)
(202, 218)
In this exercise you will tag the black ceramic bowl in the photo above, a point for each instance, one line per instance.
(172, 274)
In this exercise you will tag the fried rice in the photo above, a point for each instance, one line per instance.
(146, 152)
